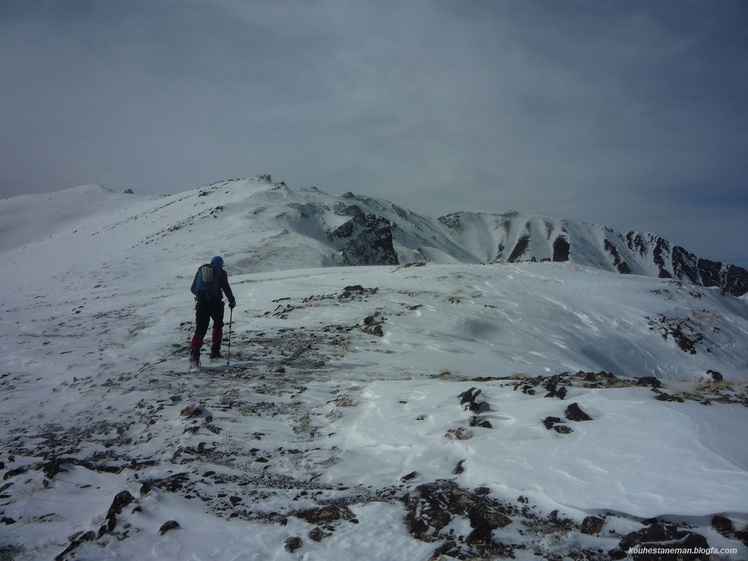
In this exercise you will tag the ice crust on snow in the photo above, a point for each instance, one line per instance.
(327, 410)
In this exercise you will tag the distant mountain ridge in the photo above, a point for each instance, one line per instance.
(378, 232)
(261, 225)
(519, 237)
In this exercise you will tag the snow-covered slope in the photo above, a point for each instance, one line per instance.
(267, 226)
(513, 237)
(401, 411)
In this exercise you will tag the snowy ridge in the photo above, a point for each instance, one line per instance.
(514, 237)
(280, 227)
(446, 405)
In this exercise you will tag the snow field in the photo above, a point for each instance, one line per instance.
(346, 400)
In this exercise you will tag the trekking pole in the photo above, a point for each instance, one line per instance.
(228, 346)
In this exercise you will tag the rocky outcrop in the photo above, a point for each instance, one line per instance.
(667, 540)
(364, 239)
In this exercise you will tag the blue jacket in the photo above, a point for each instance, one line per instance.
(222, 283)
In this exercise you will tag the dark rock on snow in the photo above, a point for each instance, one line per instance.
(575, 413)
(170, 525)
(663, 536)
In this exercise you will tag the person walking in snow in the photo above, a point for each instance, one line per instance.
(210, 284)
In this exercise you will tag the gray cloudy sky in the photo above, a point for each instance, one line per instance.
(628, 113)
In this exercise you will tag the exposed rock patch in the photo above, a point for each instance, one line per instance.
(575, 413)
(669, 540)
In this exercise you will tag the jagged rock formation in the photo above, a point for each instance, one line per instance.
(513, 237)
(365, 239)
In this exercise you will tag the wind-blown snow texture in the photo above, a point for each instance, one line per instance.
(456, 400)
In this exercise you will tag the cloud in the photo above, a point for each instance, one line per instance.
(604, 112)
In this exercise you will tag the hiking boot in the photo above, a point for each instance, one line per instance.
(215, 353)
(195, 357)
